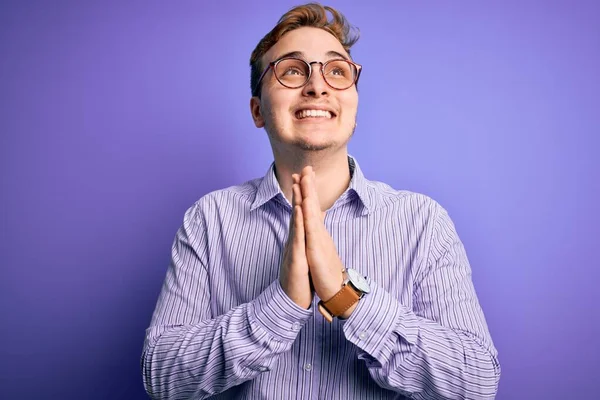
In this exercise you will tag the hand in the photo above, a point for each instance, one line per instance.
(294, 273)
(323, 260)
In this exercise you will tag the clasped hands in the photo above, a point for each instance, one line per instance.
(310, 257)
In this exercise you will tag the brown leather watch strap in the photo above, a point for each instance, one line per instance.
(338, 304)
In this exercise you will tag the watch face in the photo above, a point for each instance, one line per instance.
(358, 281)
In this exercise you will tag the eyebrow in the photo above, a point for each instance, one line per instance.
(332, 54)
(298, 54)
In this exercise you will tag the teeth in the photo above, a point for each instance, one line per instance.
(313, 113)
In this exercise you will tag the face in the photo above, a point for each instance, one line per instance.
(283, 111)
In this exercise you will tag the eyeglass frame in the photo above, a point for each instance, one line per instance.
(273, 64)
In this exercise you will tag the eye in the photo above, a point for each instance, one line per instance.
(338, 72)
(293, 71)
(338, 69)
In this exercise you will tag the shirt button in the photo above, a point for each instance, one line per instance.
(296, 326)
(308, 366)
(362, 335)
(263, 369)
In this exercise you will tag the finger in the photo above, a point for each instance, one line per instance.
(297, 223)
(317, 202)
(299, 264)
(306, 171)
(296, 195)
(310, 199)
(292, 218)
(298, 243)
(296, 191)
(306, 184)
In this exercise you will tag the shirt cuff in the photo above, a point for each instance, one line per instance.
(277, 314)
(376, 322)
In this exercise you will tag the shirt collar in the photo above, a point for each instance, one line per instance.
(359, 184)
(269, 188)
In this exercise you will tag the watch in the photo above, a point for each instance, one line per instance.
(353, 289)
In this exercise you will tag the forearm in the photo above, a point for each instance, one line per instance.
(208, 357)
(411, 354)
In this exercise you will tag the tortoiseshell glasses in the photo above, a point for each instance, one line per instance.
(294, 73)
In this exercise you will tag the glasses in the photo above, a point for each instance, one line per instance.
(293, 73)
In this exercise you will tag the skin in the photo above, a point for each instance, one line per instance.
(311, 162)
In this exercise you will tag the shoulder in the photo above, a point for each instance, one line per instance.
(407, 202)
(222, 202)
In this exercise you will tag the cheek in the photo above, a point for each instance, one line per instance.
(277, 108)
(349, 101)
(269, 113)
(278, 117)
(349, 107)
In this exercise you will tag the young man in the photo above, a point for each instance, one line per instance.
(314, 282)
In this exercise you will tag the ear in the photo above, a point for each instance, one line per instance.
(259, 121)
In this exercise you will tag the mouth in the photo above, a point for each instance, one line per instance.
(314, 114)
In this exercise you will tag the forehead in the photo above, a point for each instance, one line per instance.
(313, 43)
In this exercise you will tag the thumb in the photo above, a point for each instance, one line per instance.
(298, 228)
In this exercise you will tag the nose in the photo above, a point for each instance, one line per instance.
(316, 85)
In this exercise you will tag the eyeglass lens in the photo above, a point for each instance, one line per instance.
(294, 73)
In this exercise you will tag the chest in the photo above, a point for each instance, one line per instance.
(245, 257)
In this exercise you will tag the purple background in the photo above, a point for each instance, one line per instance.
(115, 118)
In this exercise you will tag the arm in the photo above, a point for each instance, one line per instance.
(190, 353)
(442, 349)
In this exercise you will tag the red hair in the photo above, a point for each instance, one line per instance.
(311, 15)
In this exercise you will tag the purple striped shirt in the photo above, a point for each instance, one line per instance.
(224, 327)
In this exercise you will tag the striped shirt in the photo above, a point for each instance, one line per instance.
(224, 327)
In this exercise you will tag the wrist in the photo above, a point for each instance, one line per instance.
(332, 287)
(349, 312)
(344, 301)
(302, 300)
(329, 292)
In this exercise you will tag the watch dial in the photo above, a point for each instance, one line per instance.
(358, 281)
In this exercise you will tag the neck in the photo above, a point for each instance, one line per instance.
(331, 170)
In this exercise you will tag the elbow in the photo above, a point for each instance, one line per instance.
(148, 378)
(481, 368)
(494, 378)
(486, 378)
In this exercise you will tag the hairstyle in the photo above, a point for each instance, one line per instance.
(311, 15)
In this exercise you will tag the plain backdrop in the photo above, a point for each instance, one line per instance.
(115, 116)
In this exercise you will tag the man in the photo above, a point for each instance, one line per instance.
(266, 295)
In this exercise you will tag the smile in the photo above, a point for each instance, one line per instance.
(302, 114)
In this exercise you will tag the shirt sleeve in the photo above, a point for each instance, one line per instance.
(440, 349)
(190, 353)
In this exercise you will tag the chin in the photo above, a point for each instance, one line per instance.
(307, 138)
(308, 146)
